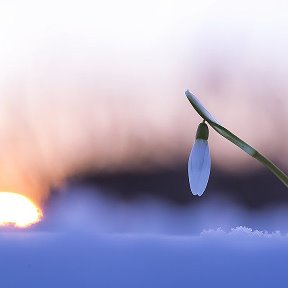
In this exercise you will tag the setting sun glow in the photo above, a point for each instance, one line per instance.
(17, 210)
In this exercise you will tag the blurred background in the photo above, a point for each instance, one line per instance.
(92, 95)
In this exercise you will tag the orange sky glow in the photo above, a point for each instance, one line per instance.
(84, 86)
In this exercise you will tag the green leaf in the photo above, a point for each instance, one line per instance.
(203, 112)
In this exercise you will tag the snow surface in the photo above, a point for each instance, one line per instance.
(98, 243)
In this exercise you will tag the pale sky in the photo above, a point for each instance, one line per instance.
(100, 84)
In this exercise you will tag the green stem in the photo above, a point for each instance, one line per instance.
(273, 168)
(251, 151)
(203, 112)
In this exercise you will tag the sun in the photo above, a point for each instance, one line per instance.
(18, 210)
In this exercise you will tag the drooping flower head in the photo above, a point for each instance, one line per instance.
(199, 163)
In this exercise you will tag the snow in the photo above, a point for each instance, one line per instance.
(83, 244)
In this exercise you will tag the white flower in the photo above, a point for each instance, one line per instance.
(199, 163)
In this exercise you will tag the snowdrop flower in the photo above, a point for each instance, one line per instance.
(199, 163)
(199, 160)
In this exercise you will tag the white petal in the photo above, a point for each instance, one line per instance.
(199, 166)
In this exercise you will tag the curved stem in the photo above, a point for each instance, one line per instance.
(272, 167)
(203, 112)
